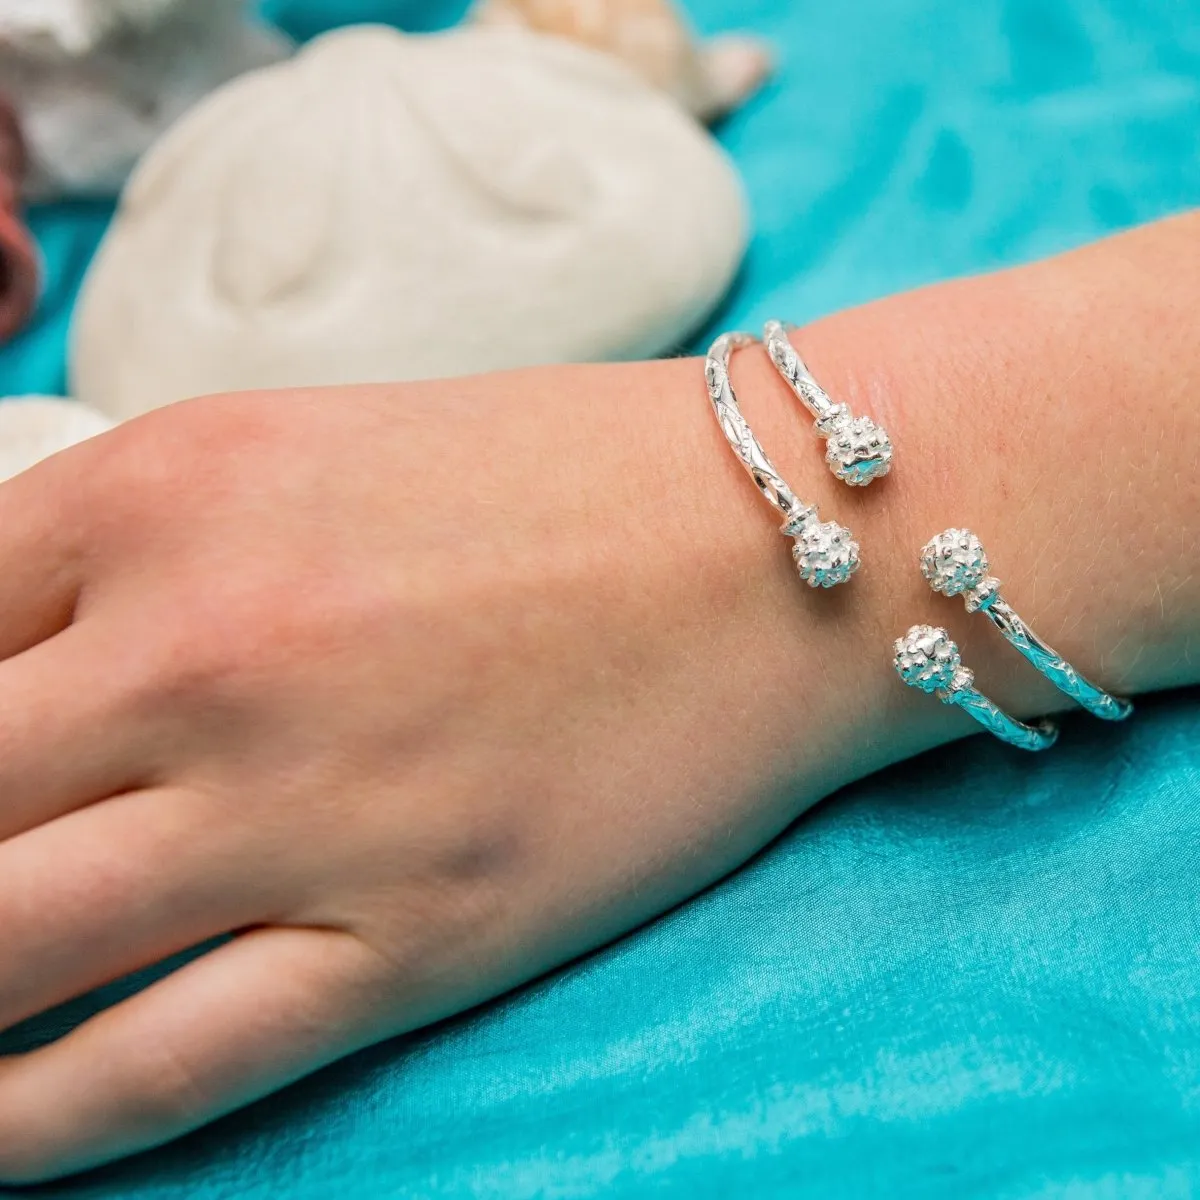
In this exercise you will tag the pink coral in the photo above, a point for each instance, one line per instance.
(18, 261)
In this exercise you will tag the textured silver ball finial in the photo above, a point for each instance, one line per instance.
(954, 562)
(858, 451)
(927, 658)
(826, 554)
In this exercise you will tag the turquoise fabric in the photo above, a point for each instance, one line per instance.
(973, 974)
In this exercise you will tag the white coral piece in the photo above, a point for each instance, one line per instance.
(34, 427)
(95, 82)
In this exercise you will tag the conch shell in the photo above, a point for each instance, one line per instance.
(651, 36)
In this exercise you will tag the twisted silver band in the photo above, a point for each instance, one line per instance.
(928, 659)
(856, 449)
(955, 563)
(825, 553)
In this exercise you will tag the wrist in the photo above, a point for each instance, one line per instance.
(1015, 413)
(1019, 411)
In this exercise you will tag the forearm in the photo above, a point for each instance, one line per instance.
(1045, 408)
(1051, 409)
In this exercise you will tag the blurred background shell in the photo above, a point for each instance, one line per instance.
(385, 207)
(34, 427)
(652, 37)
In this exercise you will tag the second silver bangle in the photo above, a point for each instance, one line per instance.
(825, 552)
(928, 659)
(856, 449)
(955, 564)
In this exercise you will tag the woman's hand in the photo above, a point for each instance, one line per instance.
(425, 689)
(422, 690)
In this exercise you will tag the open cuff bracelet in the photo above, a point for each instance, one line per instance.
(856, 449)
(825, 553)
(927, 658)
(955, 564)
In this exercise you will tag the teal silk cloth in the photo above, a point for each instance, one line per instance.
(976, 973)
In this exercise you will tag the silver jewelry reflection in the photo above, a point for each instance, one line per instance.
(856, 449)
(825, 553)
(928, 659)
(955, 563)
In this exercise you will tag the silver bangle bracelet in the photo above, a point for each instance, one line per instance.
(825, 553)
(856, 449)
(955, 563)
(927, 658)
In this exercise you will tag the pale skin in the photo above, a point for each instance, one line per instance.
(425, 689)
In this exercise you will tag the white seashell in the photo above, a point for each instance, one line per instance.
(95, 82)
(651, 36)
(35, 427)
(386, 207)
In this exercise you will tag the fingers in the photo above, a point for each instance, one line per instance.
(120, 885)
(244, 1020)
(40, 553)
(73, 726)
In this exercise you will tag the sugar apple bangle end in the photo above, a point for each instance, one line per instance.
(928, 659)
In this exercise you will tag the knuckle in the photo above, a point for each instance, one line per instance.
(141, 456)
(462, 890)
(29, 1152)
(169, 1096)
(223, 644)
(23, 1163)
(153, 1095)
(195, 662)
(176, 452)
(133, 478)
